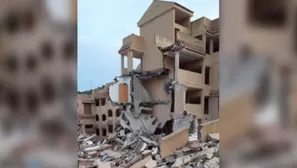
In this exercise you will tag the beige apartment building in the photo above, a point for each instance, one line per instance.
(195, 72)
(85, 116)
(97, 115)
(107, 115)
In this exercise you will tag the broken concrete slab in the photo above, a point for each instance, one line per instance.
(209, 128)
(97, 148)
(214, 136)
(174, 141)
(104, 165)
(141, 162)
(150, 163)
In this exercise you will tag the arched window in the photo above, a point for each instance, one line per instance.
(109, 113)
(97, 117)
(103, 117)
(118, 112)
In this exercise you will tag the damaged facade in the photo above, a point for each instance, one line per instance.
(164, 99)
(97, 115)
(169, 81)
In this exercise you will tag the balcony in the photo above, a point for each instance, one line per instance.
(192, 45)
(206, 25)
(87, 118)
(195, 109)
(132, 42)
(182, 28)
(190, 79)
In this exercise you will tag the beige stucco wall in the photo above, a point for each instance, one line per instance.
(103, 110)
(153, 59)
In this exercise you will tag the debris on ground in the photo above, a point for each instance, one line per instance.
(134, 149)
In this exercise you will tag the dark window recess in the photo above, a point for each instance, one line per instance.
(110, 128)
(295, 33)
(97, 102)
(12, 63)
(109, 113)
(216, 46)
(272, 13)
(31, 62)
(207, 75)
(47, 50)
(69, 49)
(168, 127)
(97, 131)
(32, 101)
(103, 101)
(88, 126)
(198, 70)
(206, 105)
(194, 100)
(13, 100)
(176, 33)
(104, 132)
(12, 23)
(97, 117)
(118, 112)
(103, 117)
(207, 46)
(48, 90)
(172, 101)
(29, 19)
(199, 37)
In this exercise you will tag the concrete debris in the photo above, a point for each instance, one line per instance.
(138, 148)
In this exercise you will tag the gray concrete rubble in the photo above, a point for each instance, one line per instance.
(128, 148)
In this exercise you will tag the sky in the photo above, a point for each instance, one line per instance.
(102, 24)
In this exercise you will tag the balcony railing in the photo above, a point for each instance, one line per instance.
(190, 79)
(191, 43)
(195, 109)
(132, 42)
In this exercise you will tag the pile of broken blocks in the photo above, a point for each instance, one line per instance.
(135, 149)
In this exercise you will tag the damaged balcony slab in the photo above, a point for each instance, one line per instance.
(143, 75)
(209, 128)
(174, 141)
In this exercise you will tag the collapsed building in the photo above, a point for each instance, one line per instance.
(168, 103)
(96, 114)
(177, 73)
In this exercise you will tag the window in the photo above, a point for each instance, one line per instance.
(110, 128)
(97, 102)
(207, 46)
(97, 117)
(103, 101)
(268, 12)
(205, 105)
(103, 117)
(207, 75)
(216, 46)
(118, 112)
(88, 126)
(87, 108)
(109, 113)
(104, 132)
(98, 131)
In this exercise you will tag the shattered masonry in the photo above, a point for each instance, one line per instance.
(163, 103)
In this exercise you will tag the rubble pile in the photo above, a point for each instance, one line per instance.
(137, 149)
